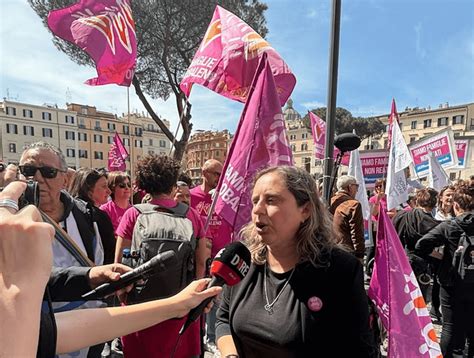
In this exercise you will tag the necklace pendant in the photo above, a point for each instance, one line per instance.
(269, 309)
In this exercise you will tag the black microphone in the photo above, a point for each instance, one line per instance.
(149, 268)
(347, 142)
(229, 267)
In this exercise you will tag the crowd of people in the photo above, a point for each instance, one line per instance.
(304, 287)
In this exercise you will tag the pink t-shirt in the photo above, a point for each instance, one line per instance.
(219, 231)
(383, 205)
(115, 212)
(159, 340)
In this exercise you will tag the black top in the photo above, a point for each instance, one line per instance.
(338, 329)
(447, 233)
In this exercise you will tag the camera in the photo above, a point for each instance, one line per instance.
(31, 196)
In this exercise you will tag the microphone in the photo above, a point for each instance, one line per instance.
(229, 267)
(149, 268)
(347, 142)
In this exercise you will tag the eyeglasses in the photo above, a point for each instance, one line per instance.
(46, 172)
(124, 185)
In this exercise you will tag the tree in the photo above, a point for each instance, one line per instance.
(345, 122)
(168, 34)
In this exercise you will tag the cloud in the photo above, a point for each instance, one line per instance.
(420, 51)
(313, 105)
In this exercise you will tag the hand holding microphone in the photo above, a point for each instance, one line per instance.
(229, 267)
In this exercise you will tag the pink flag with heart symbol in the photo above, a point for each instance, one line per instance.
(227, 59)
(117, 155)
(106, 31)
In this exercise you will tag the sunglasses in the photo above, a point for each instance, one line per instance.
(46, 172)
(124, 185)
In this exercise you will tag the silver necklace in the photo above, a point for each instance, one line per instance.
(269, 306)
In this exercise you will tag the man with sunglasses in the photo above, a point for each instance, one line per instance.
(46, 164)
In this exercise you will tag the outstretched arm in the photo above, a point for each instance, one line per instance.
(83, 328)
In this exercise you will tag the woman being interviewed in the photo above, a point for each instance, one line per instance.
(303, 296)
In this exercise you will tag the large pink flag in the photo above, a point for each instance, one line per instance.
(260, 141)
(228, 57)
(318, 130)
(117, 155)
(393, 117)
(397, 296)
(106, 31)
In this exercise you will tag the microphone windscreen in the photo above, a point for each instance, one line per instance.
(347, 142)
(231, 263)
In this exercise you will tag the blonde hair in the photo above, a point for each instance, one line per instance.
(314, 237)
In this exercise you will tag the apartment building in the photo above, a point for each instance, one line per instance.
(204, 145)
(82, 132)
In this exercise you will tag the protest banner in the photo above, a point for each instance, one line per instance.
(374, 165)
(462, 147)
(441, 144)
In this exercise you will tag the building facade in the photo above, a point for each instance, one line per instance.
(204, 145)
(82, 132)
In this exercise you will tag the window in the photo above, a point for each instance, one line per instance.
(12, 128)
(126, 141)
(304, 147)
(162, 143)
(150, 141)
(413, 124)
(401, 126)
(427, 123)
(293, 148)
(138, 143)
(98, 155)
(387, 127)
(28, 113)
(81, 123)
(28, 130)
(47, 133)
(138, 131)
(452, 176)
(70, 119)
(82, 153)
(292, 136)
(84, 110)
(458, 119)
(472, 124)
(97, 126)
(11, 111)
(97, 138)
(126, 129)
(442, 121)
(110, 139)
(385, 143)
(151, 152)
(304, 135)
(12, 147)
(151, 127)
(70, 135)
(217, 153)
(70, 153)
(412, 139)
(46, 116)
(111, 127)
(82, 137)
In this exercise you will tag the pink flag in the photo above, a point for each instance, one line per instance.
(397, 296)
(106, 31)
(228, 57)
(393, 116)
(318, 129)
(260, 141)
(117, 155)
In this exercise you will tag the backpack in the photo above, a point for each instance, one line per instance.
(463, 258)
(160, 229)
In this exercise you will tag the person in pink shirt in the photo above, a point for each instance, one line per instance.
(120, 187)
(157, 175)
(219, 231)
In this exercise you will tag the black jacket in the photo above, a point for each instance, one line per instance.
(447, 233)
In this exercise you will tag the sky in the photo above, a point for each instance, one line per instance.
(420, 52)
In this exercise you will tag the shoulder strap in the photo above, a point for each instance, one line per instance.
(179, 210)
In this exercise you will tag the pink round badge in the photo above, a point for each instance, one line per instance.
(315, 304)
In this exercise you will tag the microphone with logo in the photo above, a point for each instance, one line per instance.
(158, 263)
(229, 267)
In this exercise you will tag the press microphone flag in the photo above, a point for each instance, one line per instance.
(229, 267)
(156, 264)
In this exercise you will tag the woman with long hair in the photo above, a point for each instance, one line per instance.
(90, 186)
(303, 295)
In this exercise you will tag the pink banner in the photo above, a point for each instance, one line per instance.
(260, 141)
(106, 31)
(461, 150)
(397, 296)
(228, 57)
(393, 116)
(374, 165)
(318, 130)
(117, 155)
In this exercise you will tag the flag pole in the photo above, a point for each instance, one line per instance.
(331, 101)
(130, 135)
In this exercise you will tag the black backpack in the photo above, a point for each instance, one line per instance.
(160, 229)
(463, 258)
